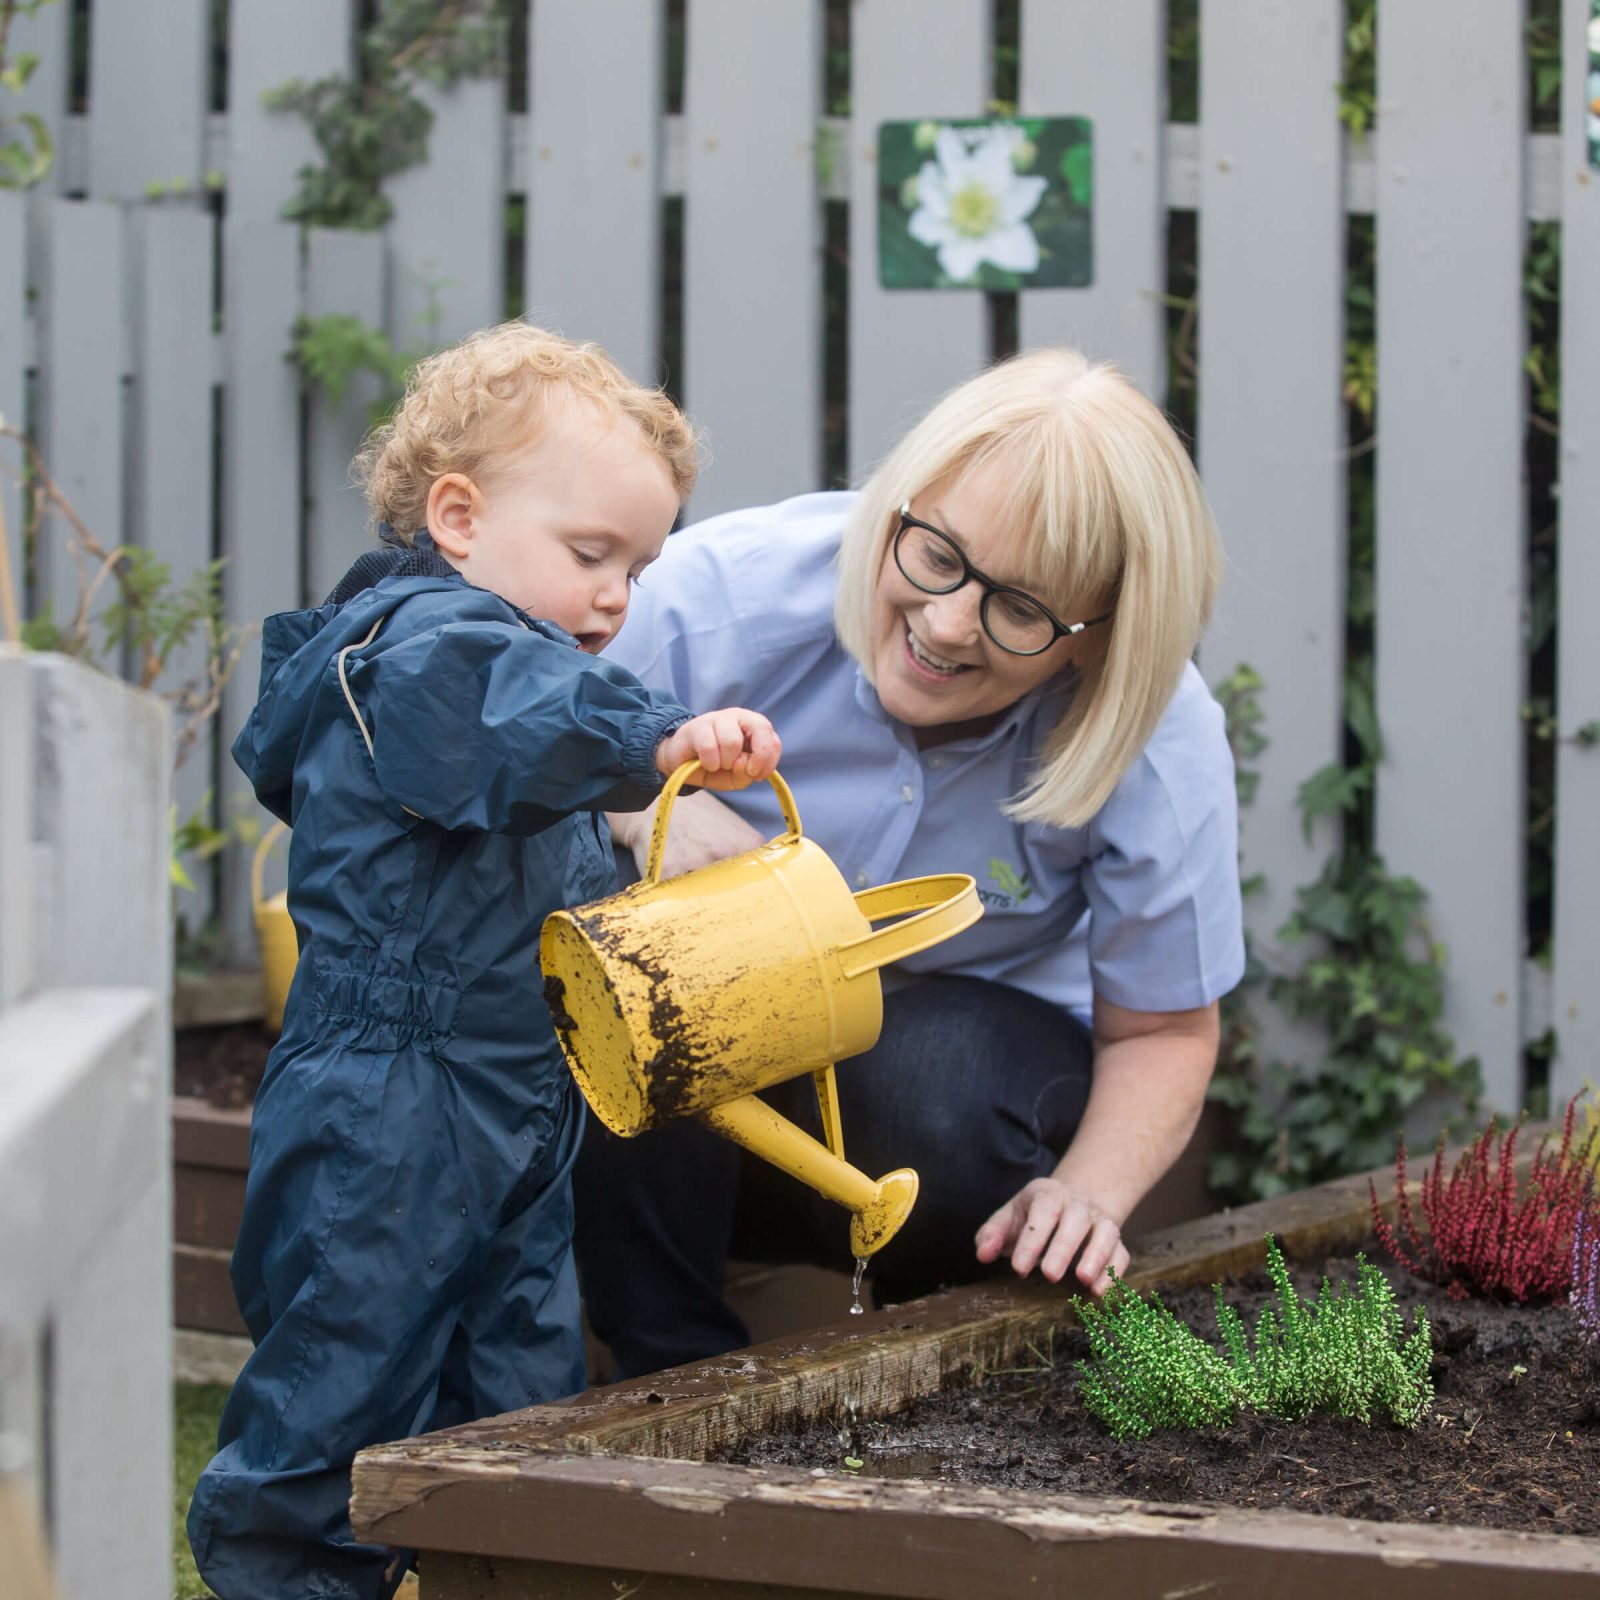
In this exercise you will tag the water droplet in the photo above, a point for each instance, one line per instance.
(856, 1308)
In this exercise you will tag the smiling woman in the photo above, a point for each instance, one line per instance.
(981, 663)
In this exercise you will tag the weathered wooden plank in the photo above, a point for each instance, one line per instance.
(82, 351)
(344, 275)
(752, 291)
(271, 42)
(101, 915)
(448, 231)
(174, 451)
(596, 156)
(202, 1290)
(85, 1172)
(85, 1199)
(261, 495)
(1270, 412)
(13, 388)
(111, 1415)
(148, 97)
(1450, 511)
(910, 59)
(729, 1533)
(1084, 59)
(1577, 877)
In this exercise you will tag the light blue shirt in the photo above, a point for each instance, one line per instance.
(739, 611)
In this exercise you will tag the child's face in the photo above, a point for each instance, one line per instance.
(564, 526)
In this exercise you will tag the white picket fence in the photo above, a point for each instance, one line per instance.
(127, 352)
(85, 1159)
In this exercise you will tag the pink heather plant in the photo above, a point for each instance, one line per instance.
(1481, 1239)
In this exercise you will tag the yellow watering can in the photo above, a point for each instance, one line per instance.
(687, 997)
(280, 949)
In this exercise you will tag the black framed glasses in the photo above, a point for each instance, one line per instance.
(931, 560)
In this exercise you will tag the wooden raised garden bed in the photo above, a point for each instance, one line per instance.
(217, 1069)
(612, 1491)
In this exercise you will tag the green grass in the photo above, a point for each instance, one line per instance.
(196, 1410)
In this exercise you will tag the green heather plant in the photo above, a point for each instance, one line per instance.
(1344, 1354)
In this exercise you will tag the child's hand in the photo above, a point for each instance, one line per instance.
(734, 748)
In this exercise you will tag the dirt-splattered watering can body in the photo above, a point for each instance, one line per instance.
(688, 996)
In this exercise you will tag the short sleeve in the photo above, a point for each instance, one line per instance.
(1162, 873)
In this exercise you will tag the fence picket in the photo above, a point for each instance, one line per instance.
(344, 274)
(447, 236)
(148, 107)
(1450, 508)
(173, 458)
(82, 350)
(13, 375)
(910, 59)
(752, 281)
(1082, 58)
(1449, 191)
(1577, 930)
(1271, 283)
(271, 42)
(261, 494)
(595, 159)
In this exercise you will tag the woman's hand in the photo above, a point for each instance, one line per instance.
(1151, 1069)
(734, 747)
(703, 830)
(1046, 1225)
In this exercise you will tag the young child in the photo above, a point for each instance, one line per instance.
(444, 738)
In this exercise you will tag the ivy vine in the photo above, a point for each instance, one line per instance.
(27, 152)
(376, 124)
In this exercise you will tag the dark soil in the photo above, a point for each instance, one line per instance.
(1513, 1440)
(221, 1066)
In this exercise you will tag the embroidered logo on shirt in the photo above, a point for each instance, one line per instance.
(1010, 890)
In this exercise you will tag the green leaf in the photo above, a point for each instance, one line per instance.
(1331, 791)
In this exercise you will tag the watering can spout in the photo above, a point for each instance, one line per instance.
(688, 997)
(878, 1206)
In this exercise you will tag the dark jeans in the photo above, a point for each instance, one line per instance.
(976, 1085)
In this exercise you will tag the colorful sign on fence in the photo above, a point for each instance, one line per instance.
(994, 203)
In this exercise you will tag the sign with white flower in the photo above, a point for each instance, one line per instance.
(1593, 85)
(990, 203)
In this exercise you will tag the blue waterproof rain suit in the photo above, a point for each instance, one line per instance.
(405, 1258)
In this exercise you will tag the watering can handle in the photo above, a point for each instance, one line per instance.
(268, 839)
(944, 905)
(669, 793)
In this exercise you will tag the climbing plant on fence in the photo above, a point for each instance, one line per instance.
(1373, 979)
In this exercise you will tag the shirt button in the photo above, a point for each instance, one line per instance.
(863, 879)
(935, 762)
(908, 794)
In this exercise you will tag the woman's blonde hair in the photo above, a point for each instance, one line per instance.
(1103, 497)
(468, 405)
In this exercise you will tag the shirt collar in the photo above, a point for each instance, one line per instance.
(1050, 699)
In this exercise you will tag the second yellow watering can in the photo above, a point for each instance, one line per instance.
(688, 996)
(280, 946)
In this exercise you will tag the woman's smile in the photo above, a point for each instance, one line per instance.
(930, 664)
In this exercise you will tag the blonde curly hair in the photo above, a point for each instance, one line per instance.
(466, 406)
